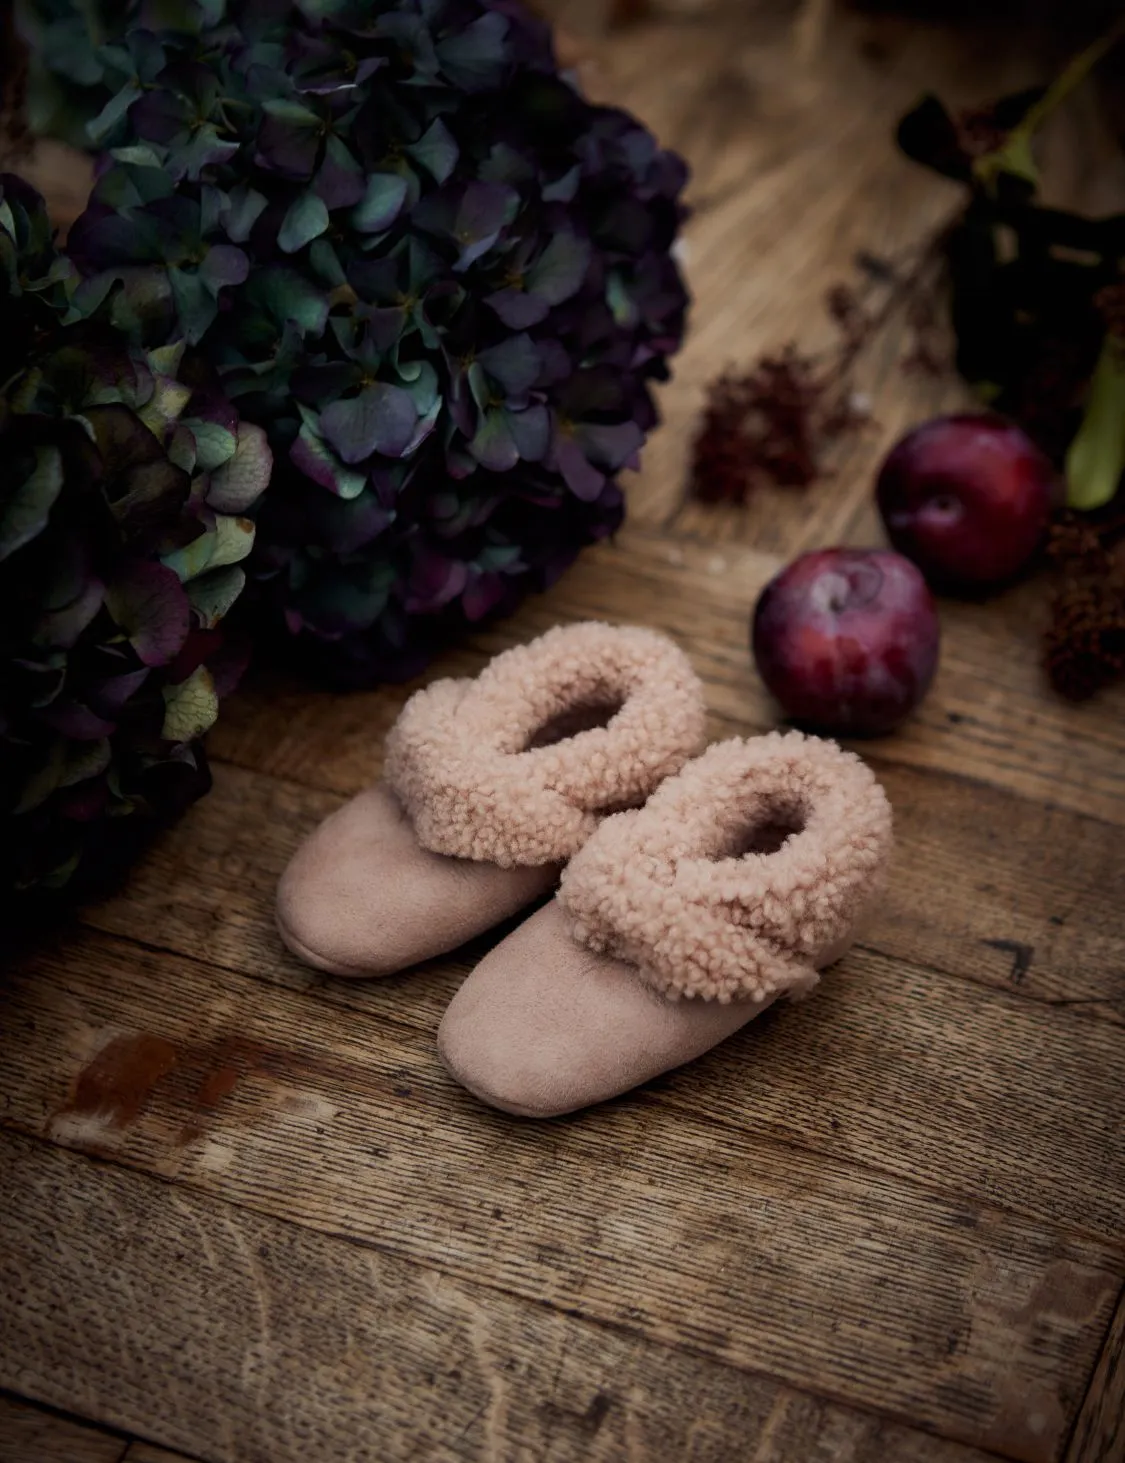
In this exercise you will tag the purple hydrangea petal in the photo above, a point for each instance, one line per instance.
(583, 480)
(317, 461)
(517, 309)
(434, 581)
(149, 604)
(515, 363)
(305, 220)
(380, 419)
(383, 197)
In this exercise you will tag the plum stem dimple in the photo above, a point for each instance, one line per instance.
(846, 589)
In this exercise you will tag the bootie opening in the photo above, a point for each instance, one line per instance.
(596, 714)
(768, 830)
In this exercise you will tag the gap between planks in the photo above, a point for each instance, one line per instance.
(34, 1432)
(797, 1265)
(989, 714)
(985, 886)
(648, 1400)
(1099, 1432)
(970, 1120)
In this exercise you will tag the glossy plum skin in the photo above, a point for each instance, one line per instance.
(968, 498)
(847, 640)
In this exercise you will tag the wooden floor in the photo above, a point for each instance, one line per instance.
(245, 1215)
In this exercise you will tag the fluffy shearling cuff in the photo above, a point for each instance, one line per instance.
(678, 889)
(495, 769)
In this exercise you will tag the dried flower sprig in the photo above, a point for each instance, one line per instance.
(776, 421)
(1084, 645)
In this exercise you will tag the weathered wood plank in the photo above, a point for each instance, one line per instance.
(30, 1434)
(986, 1097)
(693, 1224)
(831, 1198)
(783, 203)
(254, 1341)
(784, 200)
(1099, 1436)
(990, 714)
(986, 885)
(146, 1453)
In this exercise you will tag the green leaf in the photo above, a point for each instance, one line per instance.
(560, 269)
(214, 443)
(288, 296)
(243, 477)
(306, 220)
(283, 110)
(25, 514)
(230, 540)
(190, 708)
(436, 151)
(214, 593)
(165, 405)
(140, 155)
(41, 784)
(235, 539)
(181, 448)
(195, 304)
(85, 760)
(325, 264)
(244, 205)
(194, 558)
(1096, 458)
(109, 116)
(380, 204)
(165, 359)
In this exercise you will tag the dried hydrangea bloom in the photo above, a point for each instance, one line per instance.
(437, 276)
(122, 541)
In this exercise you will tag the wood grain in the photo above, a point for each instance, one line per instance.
(30, 1434)
(954, 1313)
(1099, 1436)
(255, 1341)
(989, 715)
(245, 1215)
(146, 1453)
(987, 885)
(1035, 1133)
(784, 198)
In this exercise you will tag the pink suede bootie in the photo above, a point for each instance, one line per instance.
(489, 787)
(741, 878)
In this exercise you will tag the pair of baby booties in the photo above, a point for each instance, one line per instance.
(694, 887)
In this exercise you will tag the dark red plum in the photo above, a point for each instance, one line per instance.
(847, 640)
(968, 498)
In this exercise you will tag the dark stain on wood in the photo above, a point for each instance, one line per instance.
(588, 1422)
(223, 1065)
(119, 1082)
(216, 1085)
(1021, 957)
